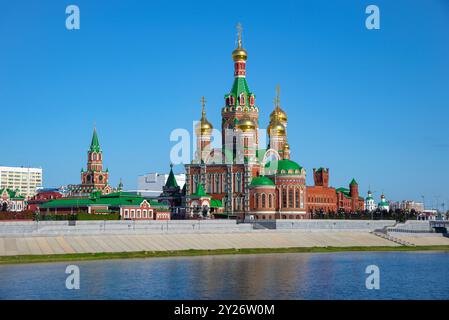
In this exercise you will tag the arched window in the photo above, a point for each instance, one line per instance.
(263, 200)
(256, 200)
(242, 99)
(284, 198)
(217, 183)
(301, 199)
(296, 198)
(290, 198)
(270, 201)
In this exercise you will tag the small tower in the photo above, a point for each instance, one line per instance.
(203, 133)
(354, 193)
(94, 178)
(321, 177)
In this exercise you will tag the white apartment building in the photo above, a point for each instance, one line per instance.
(150, 184)
(25, 180)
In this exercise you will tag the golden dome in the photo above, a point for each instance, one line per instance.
(286, 146)
(246, 124)
(239, 54)
(278, 114)
(204, 126)
(276, 128)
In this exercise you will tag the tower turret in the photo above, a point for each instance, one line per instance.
(276, 129)
(240, 102)
(94, 178)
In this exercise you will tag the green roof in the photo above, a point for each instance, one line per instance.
(353, 182)
(95, 145)
(171, 181)
(261, 181)
(345, 192)
(216, 203)
(116, 199)
(200, 193)
(12, 194)
(283, 166)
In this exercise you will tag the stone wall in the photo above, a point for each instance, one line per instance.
(334, 225)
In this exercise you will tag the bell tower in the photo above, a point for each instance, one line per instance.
(240, 105)
(94, 178)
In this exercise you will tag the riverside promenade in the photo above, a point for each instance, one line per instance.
(63, 237)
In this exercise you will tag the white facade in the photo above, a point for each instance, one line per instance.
(370, 204)
(25, 180)
(151, 184)
(383, 204)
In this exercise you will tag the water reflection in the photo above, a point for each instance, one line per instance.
(270, 276)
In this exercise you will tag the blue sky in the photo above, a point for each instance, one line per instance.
(368, 104)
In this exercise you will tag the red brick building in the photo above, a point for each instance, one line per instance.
(321, 198)
(348, 200)
(239, 179)
(42, 197)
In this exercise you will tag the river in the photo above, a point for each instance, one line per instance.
(402, 275)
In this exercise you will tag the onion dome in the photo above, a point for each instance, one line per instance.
(286, 146)
(203, 127)
(278, 114)
(246, 124)
(239, 54)
(276, 128)
(283, 167)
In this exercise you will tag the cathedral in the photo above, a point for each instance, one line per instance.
(242, 179)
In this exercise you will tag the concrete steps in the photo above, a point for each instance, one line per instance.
(393, 239)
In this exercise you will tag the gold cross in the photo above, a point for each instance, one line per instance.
(239, 33)
(203, 103)
(278, 96)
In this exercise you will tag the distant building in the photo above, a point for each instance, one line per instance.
(370, 204)
(152, 184)
(41, 197)
(21, 179)
(348, 200)
(383, 204)
(429, 214)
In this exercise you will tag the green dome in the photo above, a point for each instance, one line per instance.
(284, 166)
(261, 181)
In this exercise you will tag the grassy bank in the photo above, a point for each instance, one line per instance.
(188, 253)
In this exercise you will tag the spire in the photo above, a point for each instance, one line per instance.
(278, 97)
(239, 54)
(278, 114)
(239, 35)
(203, 105)
(95, 145)
(353, 182)
(171, 181)
(120, 185)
